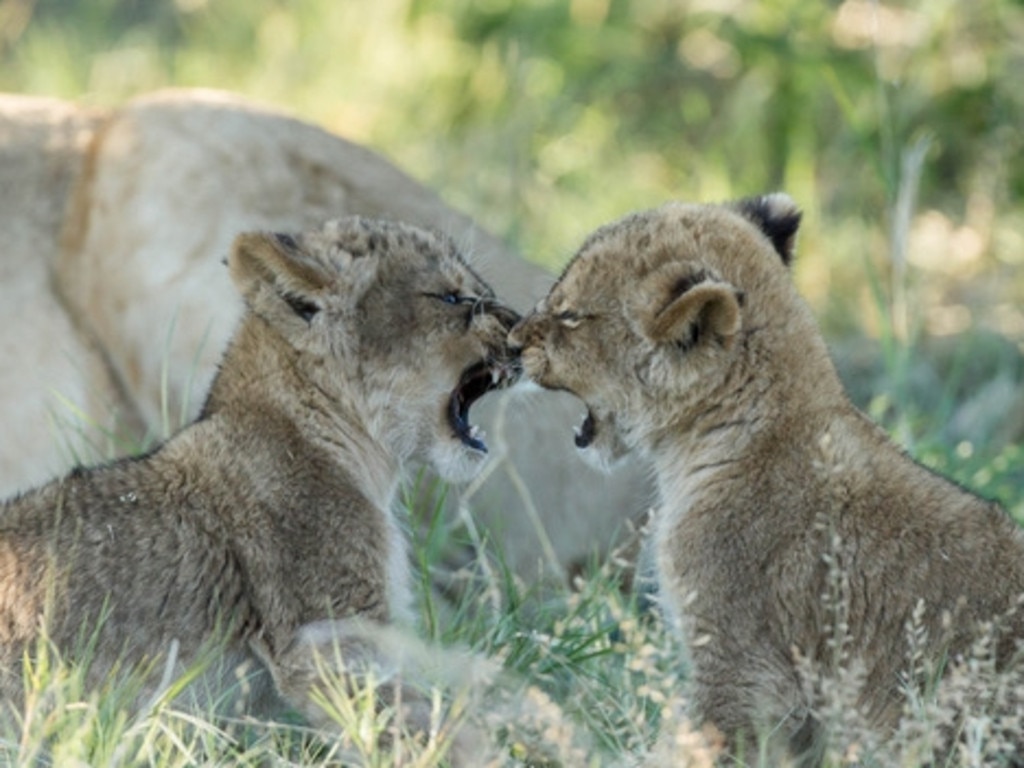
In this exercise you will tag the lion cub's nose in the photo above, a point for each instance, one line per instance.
(518, 336)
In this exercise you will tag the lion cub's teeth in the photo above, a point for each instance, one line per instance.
(495, 375)
(578, 429)
(476, 433)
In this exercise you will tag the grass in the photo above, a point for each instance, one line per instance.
(583, 676)
(587, 678)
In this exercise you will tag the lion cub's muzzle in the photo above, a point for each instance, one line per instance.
(526, 339)
(500, 368)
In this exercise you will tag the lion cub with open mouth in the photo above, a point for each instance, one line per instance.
(683, 334)
(266, 525)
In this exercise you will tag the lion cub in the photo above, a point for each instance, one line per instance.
(683, 334)
(266, 525)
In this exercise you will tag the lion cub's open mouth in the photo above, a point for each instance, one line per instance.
(585, 432)
(475, 382)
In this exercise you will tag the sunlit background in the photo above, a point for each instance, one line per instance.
(898, 127)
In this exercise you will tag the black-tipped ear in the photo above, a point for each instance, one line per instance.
(777, 216)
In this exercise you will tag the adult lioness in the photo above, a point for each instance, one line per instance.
(682, 331)
(362, 347)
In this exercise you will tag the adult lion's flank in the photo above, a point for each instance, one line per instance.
(682, 332)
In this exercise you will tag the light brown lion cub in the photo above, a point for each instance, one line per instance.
(266, 525)
(682, 332)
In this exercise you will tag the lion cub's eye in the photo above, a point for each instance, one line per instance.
(301, 307)
(452, 298)
(568, 318)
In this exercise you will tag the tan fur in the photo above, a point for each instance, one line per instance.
(49, 361)
(682, 331)
(148, 198)
(267, 524)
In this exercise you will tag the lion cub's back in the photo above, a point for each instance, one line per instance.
(129, 555)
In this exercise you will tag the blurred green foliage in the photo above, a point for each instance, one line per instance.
(547, 118)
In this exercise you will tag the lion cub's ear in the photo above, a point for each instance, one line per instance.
(777, 216)
(693, 309)
(272, 273)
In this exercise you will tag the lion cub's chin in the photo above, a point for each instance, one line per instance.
(456, 462)
(604, 458)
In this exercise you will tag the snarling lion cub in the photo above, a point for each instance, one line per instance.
(682, 331)
(266, 524)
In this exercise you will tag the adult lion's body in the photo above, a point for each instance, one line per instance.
(793, 538)
(116, 303)
(42, 152)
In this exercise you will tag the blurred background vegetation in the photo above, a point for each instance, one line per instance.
(897, 126)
